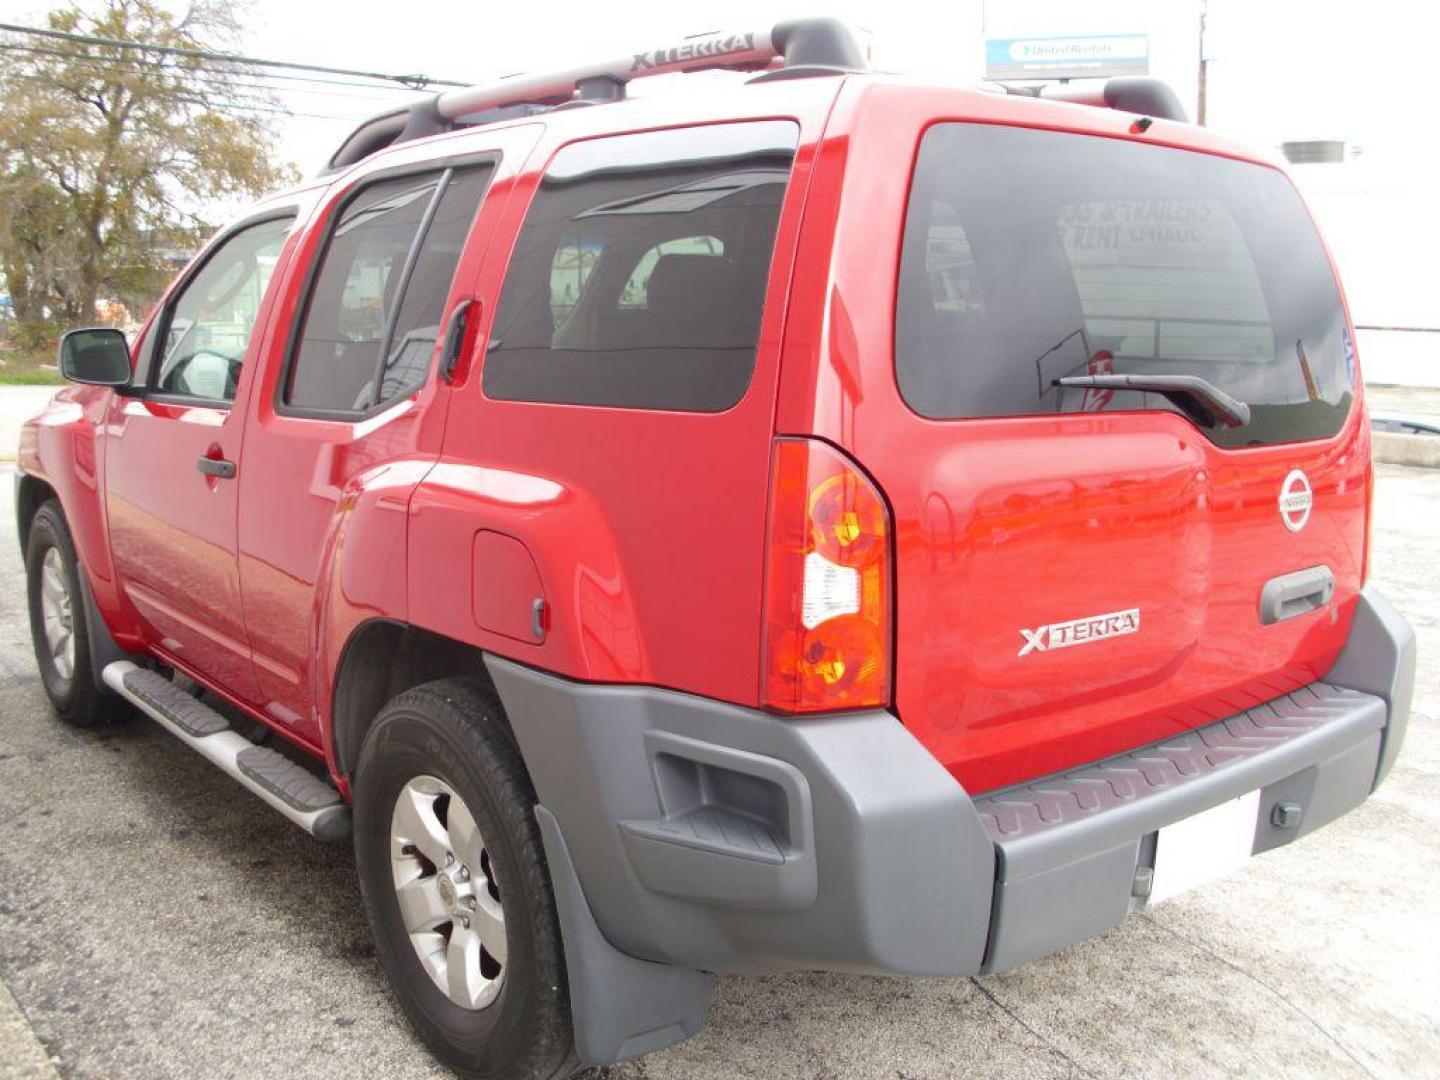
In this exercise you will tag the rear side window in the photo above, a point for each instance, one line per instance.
(374, 309)
(638, 279)
(1030, 256)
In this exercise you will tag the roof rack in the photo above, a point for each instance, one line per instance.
(1126, 93)
(821, 46)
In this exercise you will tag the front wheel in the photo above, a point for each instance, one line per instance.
(456, 887)
(58, 626)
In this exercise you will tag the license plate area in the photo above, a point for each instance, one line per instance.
(1205, 847)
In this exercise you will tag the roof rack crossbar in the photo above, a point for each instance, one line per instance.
(817, 45)
(1125, 93)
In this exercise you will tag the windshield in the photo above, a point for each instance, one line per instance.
(1033, 256)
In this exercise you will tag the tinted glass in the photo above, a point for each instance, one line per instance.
(638, 279)
(354, 296)
(417, 323)
(1031, 256)
(211, 321)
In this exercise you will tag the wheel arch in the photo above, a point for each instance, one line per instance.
(31, 493)
(384, 657)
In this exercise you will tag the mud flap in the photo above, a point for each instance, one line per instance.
(621, 1006)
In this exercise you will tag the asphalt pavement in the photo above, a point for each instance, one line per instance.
(156, 921)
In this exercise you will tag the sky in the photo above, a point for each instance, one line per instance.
(1280, 69)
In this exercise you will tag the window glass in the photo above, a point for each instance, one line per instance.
(638, 278)
(1031, 256)
(636, 293)
(210, 323)
(569, 271)
(354, 296)
(417, 323)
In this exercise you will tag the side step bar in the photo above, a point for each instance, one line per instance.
(298, 794)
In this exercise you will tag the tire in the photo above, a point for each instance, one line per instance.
(429, 746)
(66, 672)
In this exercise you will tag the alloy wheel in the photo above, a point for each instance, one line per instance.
(449, 897)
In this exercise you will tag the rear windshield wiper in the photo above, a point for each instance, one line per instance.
(1199, 399)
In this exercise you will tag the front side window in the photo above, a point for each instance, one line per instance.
(209, 324)
(1033, 256)
(373, 314)
(638, 278)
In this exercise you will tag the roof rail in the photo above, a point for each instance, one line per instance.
(1126, 93)
(820, 46)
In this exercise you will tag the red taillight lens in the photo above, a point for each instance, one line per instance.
(826, 641)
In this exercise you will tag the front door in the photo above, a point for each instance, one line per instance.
(173, 457)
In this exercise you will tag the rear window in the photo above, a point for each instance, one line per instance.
(1031, 256)
(638, 279)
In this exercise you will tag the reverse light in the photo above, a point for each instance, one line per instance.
(826, 640)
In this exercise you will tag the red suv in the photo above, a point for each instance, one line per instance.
(826, 521)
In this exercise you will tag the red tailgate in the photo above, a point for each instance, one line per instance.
(1079, 567)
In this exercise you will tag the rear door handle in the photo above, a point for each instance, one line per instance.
(216, 467)
(455, 338)
(1289, 595)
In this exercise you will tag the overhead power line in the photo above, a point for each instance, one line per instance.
(416, 82)
(258, 80)
(138, 65)
(233, 106)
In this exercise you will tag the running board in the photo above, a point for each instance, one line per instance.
(297, 793)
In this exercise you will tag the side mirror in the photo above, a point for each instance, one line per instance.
(97, 356)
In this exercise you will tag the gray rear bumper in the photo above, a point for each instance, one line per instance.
(708, 837)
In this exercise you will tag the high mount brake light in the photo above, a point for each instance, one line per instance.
(826, 640)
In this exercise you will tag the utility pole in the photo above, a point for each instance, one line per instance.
(1204, 63)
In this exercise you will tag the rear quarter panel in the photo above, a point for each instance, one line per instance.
(646, 526)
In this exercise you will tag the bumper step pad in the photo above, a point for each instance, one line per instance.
(1165, 766)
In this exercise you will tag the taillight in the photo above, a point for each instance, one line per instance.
(826, 641)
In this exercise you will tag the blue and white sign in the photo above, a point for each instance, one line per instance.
(1085, 56)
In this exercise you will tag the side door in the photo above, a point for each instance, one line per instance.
(173, 455)
(347, 418)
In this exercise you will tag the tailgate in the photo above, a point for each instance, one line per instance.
(1080, 567)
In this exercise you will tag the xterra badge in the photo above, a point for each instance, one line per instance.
(1079, 631)
(1295, 500)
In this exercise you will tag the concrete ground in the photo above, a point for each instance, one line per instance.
(156, 921)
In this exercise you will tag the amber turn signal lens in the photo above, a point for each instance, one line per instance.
(847, 521)
(827, 586)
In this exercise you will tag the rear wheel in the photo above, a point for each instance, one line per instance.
(58, 624)
(456, 887)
